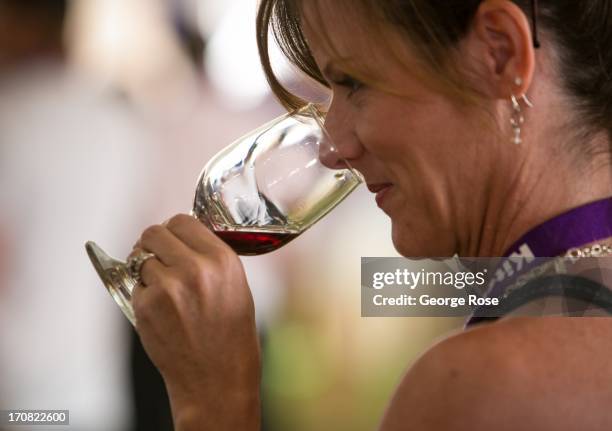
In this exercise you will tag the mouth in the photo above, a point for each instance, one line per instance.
(381, 191)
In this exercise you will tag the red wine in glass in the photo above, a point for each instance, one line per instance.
(255, 242)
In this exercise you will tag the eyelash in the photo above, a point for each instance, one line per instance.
(351, 83)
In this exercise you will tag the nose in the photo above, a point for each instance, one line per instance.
(341, 144)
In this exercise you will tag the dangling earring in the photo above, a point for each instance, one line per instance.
(517, 118)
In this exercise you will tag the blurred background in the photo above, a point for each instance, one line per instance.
(108, 111)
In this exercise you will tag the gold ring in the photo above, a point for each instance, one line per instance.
(134, 265)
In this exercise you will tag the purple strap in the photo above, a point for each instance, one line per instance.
(579, 226)
(574, 228)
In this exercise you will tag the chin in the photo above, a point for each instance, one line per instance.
(405, 244)
(410, 242)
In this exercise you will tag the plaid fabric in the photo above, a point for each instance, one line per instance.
(564, 287)
(576, 298)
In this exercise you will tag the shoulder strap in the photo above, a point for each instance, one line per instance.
(565, 285)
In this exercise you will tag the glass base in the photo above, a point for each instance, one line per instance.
(116, 278)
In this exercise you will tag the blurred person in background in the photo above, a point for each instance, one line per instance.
(456, 61)
(74, 164)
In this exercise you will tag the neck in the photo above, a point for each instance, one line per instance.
(536, 193)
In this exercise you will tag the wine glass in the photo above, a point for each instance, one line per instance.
(257, 194)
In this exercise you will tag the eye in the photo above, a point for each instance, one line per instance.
(352, 84)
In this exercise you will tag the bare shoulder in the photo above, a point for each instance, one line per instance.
(521, 373)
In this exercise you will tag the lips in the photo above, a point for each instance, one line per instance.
(375, 188)
(380, 190)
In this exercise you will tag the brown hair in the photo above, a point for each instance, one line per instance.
(581, 31)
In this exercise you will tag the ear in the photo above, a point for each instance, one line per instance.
(501, 41)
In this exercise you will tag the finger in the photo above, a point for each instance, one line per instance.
(137, 246)
(165, 245)
(195, 234)
(154, 276)
(136, 251)
(157, 305)
(154, 272)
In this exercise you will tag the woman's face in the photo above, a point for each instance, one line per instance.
(421, 153)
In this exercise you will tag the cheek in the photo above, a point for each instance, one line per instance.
(383, 131)
(422, 142)
(391, 128)
(392, 135)
(417, 150)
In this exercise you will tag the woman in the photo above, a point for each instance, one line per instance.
(431, 103)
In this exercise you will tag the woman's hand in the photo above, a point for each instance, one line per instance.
(195, 317)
